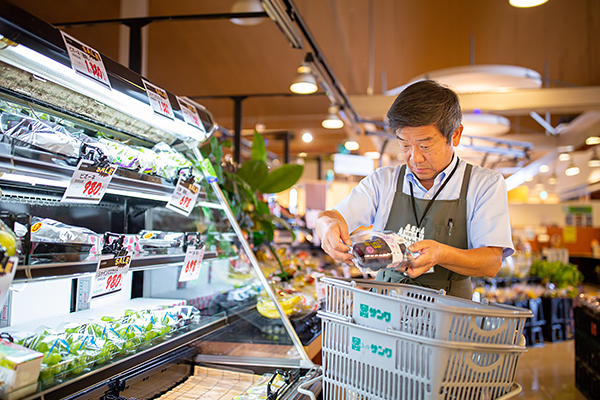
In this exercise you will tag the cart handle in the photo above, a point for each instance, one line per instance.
(310, 382)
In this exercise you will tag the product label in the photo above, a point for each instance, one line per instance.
(86, 61)
(110, 272)
(190, 114)
(184, 196)
(191, 264)
(89, 182)
(159, 100)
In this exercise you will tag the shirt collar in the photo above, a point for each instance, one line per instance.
(438, 179)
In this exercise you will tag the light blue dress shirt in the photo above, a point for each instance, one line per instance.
(488, 224)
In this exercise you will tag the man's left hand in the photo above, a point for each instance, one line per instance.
(430, 254)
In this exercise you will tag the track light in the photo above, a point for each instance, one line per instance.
(304, 83)
(332, 121)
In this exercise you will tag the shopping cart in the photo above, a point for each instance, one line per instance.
(384, 341)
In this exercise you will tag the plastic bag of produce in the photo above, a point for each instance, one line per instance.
(170, 161)
(51, 231)
(118, 153)
(373, 251)
(159, 239)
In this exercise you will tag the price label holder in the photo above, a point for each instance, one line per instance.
(190, 114)
(86, 61)
(110, 273)
(8, 267)
(191, 263)
(89, 182)
(184, 196)
(159, 100)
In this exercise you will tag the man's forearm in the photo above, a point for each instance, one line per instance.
(484, 261)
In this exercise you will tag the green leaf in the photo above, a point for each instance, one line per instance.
(253, 172)
(259, 151)
(282, 178)
(218, 154)
(262, 208)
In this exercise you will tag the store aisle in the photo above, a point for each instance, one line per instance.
(548, 372)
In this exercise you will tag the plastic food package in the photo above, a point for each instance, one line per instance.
(51, 231)
(19, 370)
(154, 239)
(170, 161)
(119, 153)
(373, 251)
(45, 135)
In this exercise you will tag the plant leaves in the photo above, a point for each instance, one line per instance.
(259, 151)
(253, 172)
(282, 178)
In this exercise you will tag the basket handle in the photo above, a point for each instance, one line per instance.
(310, 382)
(516, 389)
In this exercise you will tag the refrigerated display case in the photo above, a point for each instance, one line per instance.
(166, 330)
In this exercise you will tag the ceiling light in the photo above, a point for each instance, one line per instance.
(564, 157)
(260, 128)
(553, 180)
(543, 195)
(539, 186)
(372, 154)
(307, 137)
(332, 121)
(544, 168)
(526, 3)
(592, 140)
(484, 124)
(304, 83)
(594, 161)
(302, 154)
(246, 6)
(572, 170)
(529, 179)
(351, 145)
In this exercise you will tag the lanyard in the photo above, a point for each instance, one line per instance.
(412, 196)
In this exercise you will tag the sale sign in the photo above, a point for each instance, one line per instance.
(86, 61)
(190, 114)
(184, 196)
(191, 264)
(110, 272)
(159, 100)
(89, 182)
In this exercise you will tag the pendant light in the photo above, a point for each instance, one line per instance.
(304, 83)
(553, 180)
(572, 170)
(594, 161)
(332, 121)
(246, 6)
(526, 3)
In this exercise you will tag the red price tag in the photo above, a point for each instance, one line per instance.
(88, 183)
(191, 264)
(184, 197)
(159, 100)
(86, 61)
(191, 117)
(110, 273)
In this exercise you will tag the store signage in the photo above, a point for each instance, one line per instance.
(110, 272)
(86, 61)
(190, 114)
(184, 196)
(191, 264)
(159, 100)
(348, 164)
(89, 182)
(7, 274)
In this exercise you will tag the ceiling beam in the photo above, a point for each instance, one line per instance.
(518, 102)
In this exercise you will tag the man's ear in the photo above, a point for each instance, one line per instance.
(456, 135)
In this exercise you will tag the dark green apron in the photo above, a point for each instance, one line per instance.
(445, 222)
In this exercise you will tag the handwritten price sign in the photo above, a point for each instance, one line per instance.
(158, 100)
(184, 197)
(191, 264)
(86, 61)
(88, 183)
(110, 273)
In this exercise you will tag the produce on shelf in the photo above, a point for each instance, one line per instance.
(563, 276)
(8, 242)
(591, 301)
(521, 292)
(19, 368)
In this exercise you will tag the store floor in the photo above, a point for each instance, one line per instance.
(548, 372)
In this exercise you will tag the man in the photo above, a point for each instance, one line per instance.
(461, 209)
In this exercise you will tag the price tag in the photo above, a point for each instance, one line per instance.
(190, 114)
(110, 273)
(184, 197)
(86, 61)
(7, 273)
(159, 100)
(88, 183)
(191, 264)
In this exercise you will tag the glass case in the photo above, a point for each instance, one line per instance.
(126, 291)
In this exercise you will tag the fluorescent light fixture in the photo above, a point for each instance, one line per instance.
(304, 83)
(307, 137)
(332, 121)
(592, 140)
(544, 168)
(32, 180)
(278, 13)
(564, 157)
(351, 145)
(133, 193)
(526, 3)
(33, 62)
(572, 170)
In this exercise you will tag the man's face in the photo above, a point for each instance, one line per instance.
(426, 151)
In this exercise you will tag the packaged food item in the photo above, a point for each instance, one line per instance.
(54, 241)
(118, 153)
(170, 161)
(157, 239)
(373, 251)
(19, 370)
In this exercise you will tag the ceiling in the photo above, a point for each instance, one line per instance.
(371, 46)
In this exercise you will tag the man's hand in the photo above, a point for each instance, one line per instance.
(335, 239)
(430, 254)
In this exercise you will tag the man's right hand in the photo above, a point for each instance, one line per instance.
(335, 239)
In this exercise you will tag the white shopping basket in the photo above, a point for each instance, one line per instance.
(424, 312)
(365, 363)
